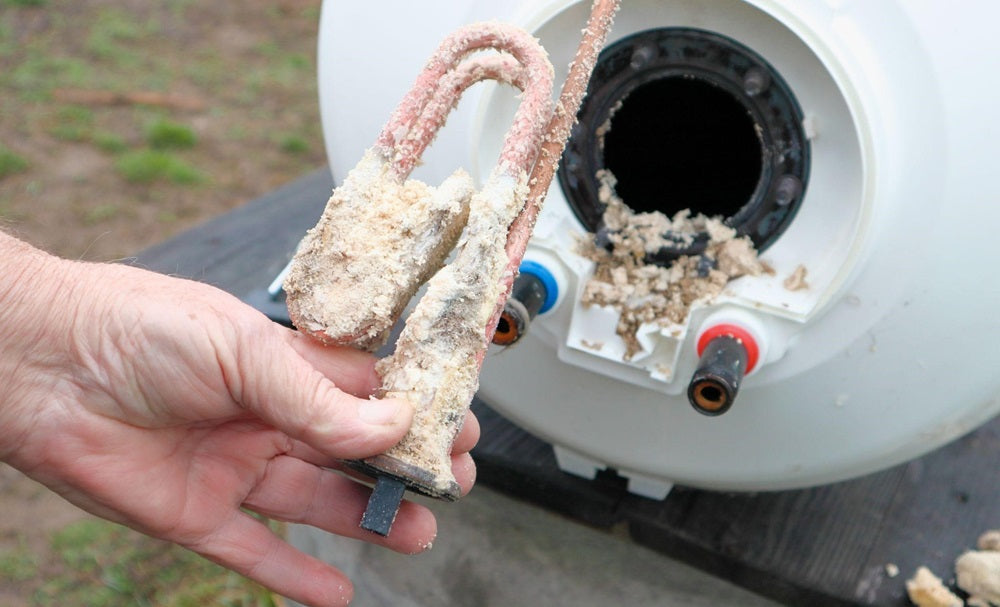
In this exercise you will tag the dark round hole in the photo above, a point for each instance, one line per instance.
(688, 119)
(710, 393)
(679, 143)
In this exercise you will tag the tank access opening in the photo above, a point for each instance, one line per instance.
(716, 163)
(689, 119)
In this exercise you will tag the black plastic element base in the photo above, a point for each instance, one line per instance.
(689, 119)
(415, 479)
(716, 381)
(383, 505)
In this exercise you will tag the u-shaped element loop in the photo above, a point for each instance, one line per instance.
(382, 235)
(415, 120)
(438, 355)
(439, 352)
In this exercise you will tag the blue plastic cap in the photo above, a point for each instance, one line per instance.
(548, 281)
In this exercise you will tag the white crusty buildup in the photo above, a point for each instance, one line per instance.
(376, 242)
(927, 590)
(438, 354)
(978, 573)
(365, 252)
(989, 540)
(643, 292)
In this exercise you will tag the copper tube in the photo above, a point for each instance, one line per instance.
(518, 151)
(595, 36)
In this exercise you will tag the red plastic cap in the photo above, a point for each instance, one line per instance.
(738, 333)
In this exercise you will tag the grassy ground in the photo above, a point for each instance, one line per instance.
(97, 564)
(125, 121)
(121, 123)
(52, 554)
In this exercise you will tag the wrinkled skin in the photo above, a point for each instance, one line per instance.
(168, 406)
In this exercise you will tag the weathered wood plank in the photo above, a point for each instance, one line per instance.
(790, 545)
(943, 502)
(827, 545)
(244, 249)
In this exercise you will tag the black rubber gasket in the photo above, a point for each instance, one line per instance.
(709, 58)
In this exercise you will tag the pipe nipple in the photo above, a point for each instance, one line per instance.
(527, 298)
(711, 396)
(513, 323)
(726, 354)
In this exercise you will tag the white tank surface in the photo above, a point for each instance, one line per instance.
(853, 141)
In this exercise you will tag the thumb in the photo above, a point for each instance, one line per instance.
(285, 390)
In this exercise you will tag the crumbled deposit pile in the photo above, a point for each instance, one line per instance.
(644, 292)
(977, 572)
(927, 590)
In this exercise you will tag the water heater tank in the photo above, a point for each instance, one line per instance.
(851, 140)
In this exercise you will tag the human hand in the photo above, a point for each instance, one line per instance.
(169, 406)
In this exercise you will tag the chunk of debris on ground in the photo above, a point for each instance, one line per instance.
(978, 573)
(989, 540)
(927, 590)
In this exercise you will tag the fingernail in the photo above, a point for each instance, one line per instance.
(380, 412)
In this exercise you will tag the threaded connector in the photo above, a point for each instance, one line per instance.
(716, 381)
(526, 299)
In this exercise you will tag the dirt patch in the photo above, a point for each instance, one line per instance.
(250, 68)
(32, 514)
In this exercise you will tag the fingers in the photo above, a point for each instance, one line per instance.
(295, 491)
(248, 547)
(464, 469)
(353, 371)
(288, 391)
(462, 464)
(468, 436)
